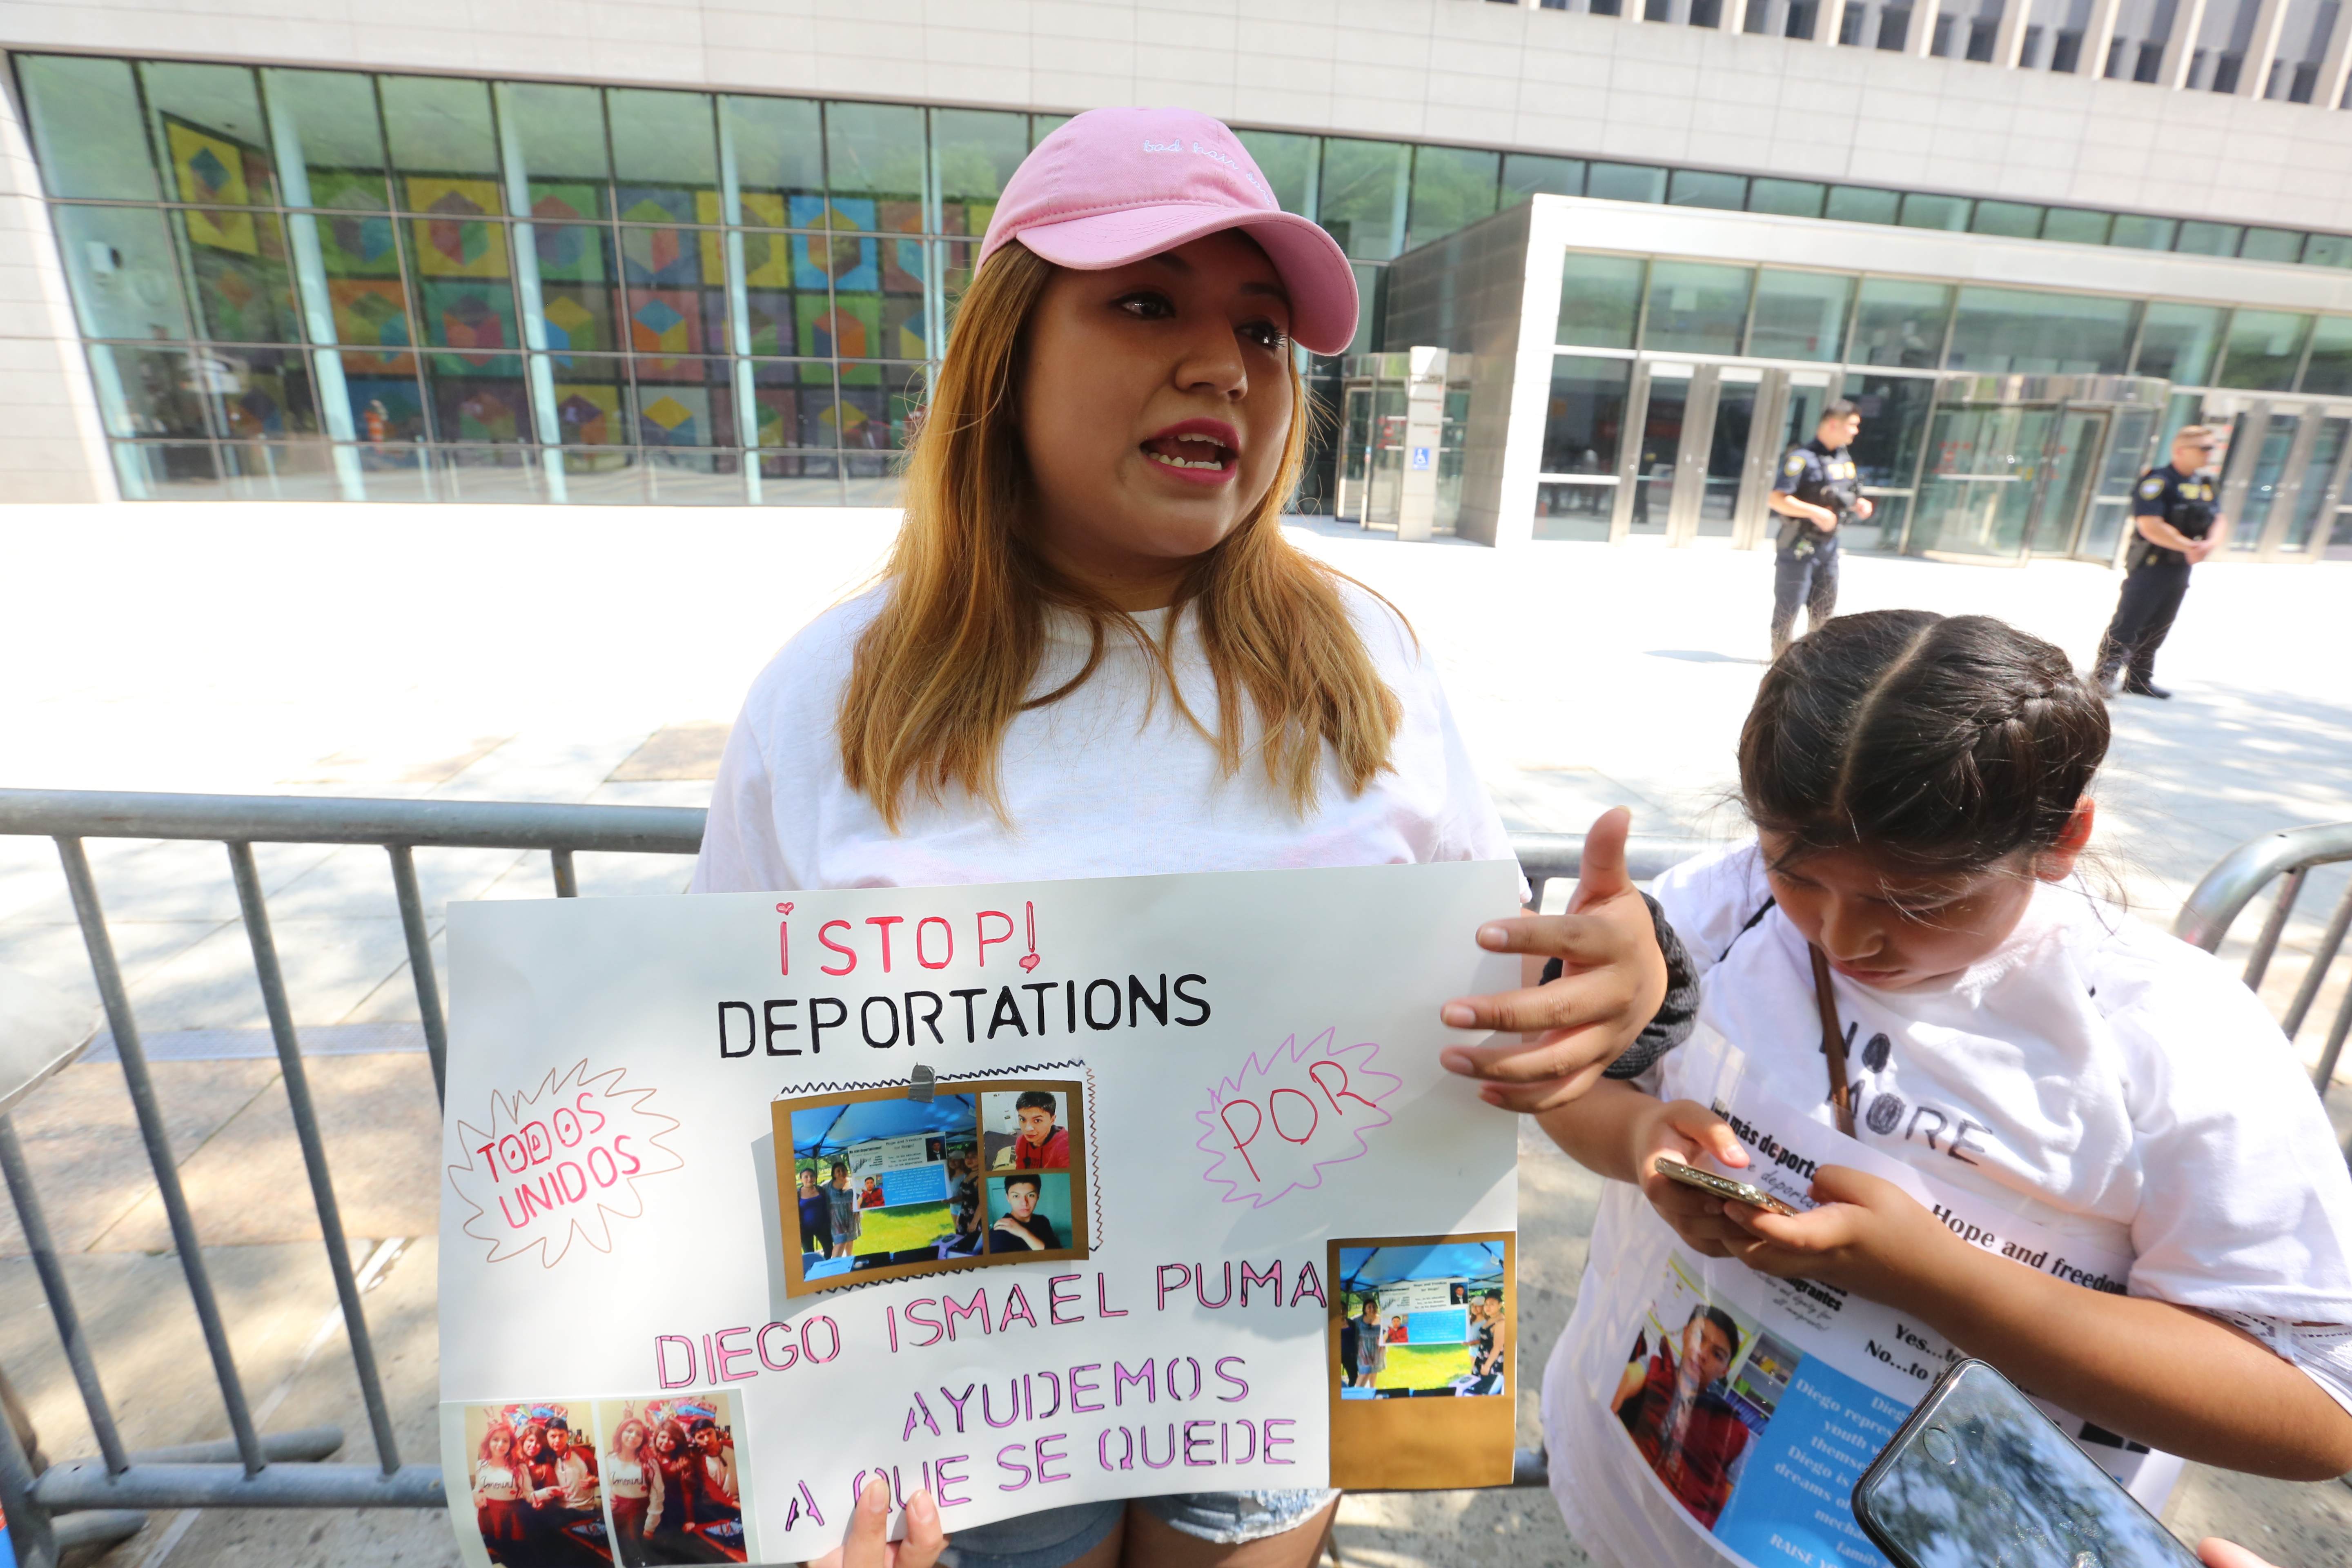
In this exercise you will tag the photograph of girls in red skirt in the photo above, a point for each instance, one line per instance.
(535, 1483)
(671, 1479)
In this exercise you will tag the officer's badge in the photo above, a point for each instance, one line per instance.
(1796, 463)
(2151, 487)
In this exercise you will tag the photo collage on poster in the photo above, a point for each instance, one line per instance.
(1423, 1320)
(883, 1185)
(562, 1482)
(1700, 1382)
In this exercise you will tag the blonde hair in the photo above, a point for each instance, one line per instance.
(947, 665)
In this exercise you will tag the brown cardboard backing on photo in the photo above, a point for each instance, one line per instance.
(1423, 1445)
(1080, 1240)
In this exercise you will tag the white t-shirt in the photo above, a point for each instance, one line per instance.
(2092, 1074)
(1107, 781)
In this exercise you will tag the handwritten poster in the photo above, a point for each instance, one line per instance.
(1029, 1195)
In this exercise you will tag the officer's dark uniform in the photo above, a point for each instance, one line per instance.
(1805, 569)
(2156, 577)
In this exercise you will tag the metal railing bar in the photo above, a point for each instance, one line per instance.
(420, 964)
(2258, 962)
(88, 1486)
(567, 881)
(302, 1444)
(2317, 975)
(2342, 1027)
(97, 1527)
(1544, 856)
(334, 820)
(43, 1246)
(158, 1138)
(28, 1528)
(296, 1078)
(2205, 916)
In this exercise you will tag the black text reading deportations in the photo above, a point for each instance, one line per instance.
(796, 1026)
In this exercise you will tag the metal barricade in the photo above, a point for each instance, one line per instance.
(2233, 883)
(53, 1508)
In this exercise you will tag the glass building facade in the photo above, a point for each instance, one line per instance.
(1887, 342)
(299, 283)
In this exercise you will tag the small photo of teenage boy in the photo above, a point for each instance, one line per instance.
(1026, 1130)
(1029, 1212)
(673, 1468)
(535, 1483)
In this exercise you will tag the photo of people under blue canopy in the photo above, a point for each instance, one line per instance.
(878, 1181)
(1423, 1319)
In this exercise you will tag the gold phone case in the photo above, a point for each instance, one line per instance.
(1672, 1168)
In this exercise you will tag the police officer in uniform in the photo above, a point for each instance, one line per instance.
(2172, 509)
(1816, 490)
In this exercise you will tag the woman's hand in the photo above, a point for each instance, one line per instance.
(1612, 982)
(867, 1545)
(1868, 1235)
(1685, 1129)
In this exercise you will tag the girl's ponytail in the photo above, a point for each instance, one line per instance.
(1949, 742)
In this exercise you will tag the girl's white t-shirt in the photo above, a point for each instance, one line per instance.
(2092, 1074)
(1109, 781)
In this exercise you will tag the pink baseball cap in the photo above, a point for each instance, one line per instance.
(1115, 185)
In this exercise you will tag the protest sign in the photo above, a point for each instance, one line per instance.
(1026, 1194)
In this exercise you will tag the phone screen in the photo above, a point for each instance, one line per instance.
(1980, 1478)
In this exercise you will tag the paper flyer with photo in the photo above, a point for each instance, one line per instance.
(1027, 1194)
(1734, 1412)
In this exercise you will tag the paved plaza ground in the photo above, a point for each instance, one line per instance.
(491, 654)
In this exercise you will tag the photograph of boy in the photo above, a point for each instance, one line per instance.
(672, 1480)
(1024, 1208)
(1026, 1132)
(1675, 1407)
(536, 1499)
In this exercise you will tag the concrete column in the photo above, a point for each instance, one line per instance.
(1830, 22)
(52, 443)
(1424, 425)
(738, 305)
(539, 376)
(1917, 42)
(2181, 49)
(2098, 37)
(2008, 38)
(2328, 90)
(2262, 47)
(318, 306)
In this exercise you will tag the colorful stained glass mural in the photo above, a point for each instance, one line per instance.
(476, 318)
(455, 242)
(588, 415)
(673, 416)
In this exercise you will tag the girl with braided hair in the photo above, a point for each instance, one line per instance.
(1909, 930)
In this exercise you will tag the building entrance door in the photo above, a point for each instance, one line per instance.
(2027, 466)
(2078, 438)
(1707, 441)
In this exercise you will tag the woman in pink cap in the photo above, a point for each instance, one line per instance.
(1094, 654)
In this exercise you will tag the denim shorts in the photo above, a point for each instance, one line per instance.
(1229, 1519)
(1046, 1539)
(1052, 1537)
